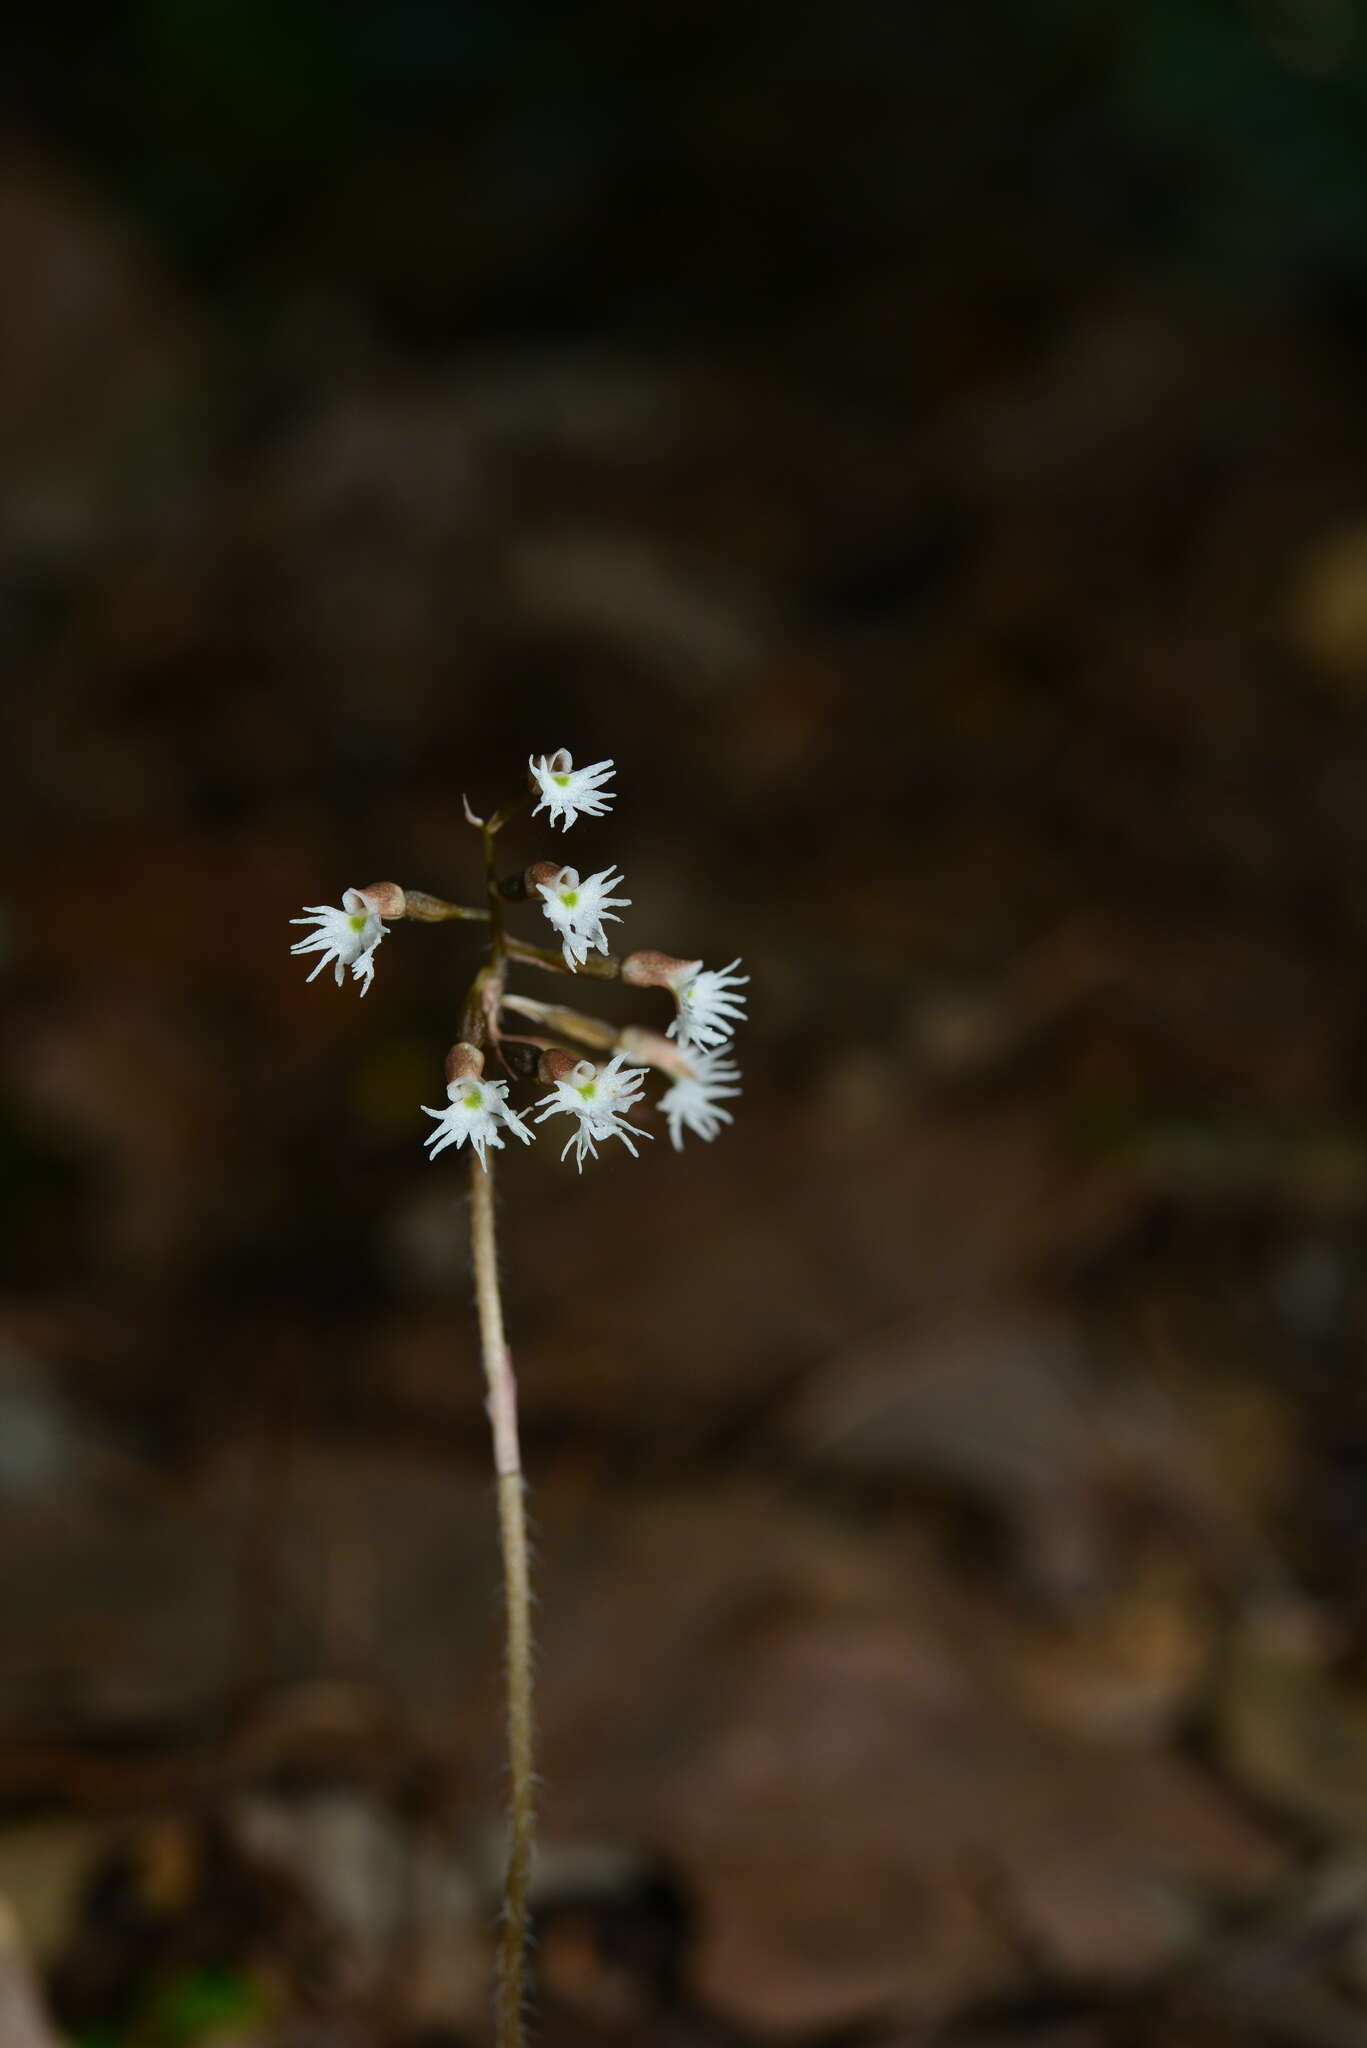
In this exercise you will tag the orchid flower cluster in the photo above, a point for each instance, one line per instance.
(594, 1075)
(595, 1094)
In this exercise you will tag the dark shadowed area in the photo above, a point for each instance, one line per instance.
(926, 450)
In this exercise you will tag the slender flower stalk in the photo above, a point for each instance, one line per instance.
(517, 1603)
(481, 1014)
(595, 1093)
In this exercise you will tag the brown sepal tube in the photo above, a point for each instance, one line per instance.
(464, 1062)
(387, 898)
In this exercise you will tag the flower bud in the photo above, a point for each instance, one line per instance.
(542, 873)
(657, 970)
(464, 1062)
(386, 899)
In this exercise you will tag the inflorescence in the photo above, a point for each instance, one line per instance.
(694, 1052)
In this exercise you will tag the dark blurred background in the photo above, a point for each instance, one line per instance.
(926, 448)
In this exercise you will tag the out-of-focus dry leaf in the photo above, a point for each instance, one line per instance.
(23, 2021)
(1291, 1727)
(876, 1219)
(43, 1864)
(1108, 1861)
(1127, 1667)
(991, 1406)
(142, 1611)
(817, 1740)
(95, 375)
(1327, 606)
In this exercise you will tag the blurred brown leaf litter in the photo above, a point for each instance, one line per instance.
(949, 1486)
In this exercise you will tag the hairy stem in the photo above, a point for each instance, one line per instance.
(481, 1028)
(502, 1406)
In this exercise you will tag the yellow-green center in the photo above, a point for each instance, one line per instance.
(471, 1101)
(357, 922)
(569, 897)
(588, 1089)
(561, 781)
